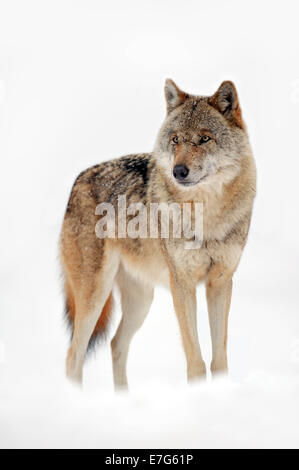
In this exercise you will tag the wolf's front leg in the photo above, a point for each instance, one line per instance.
(218, 291)
(184, 299)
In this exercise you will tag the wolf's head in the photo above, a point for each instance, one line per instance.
(203, 139)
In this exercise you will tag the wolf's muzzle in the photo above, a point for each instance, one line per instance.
(180, 172)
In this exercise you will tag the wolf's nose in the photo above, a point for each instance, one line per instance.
(180, 172)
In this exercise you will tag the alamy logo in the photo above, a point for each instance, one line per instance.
(155, 220)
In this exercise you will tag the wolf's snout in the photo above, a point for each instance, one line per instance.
(180, 172)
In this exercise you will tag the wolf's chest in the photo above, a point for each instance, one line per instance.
(193, 260)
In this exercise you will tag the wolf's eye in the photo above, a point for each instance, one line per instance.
(175, 139)
(204, 139)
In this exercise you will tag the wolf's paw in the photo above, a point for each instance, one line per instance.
(196, 371)
(219, 368)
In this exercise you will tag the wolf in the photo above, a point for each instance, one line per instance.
(202, 155)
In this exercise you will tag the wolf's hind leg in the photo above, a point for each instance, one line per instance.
(90, 298)
(136, 299)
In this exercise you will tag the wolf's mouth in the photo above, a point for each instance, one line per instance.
(192, 183)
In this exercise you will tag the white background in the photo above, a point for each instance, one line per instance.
(82, 82)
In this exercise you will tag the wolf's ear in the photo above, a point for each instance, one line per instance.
(226, 101)
(174, 96)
